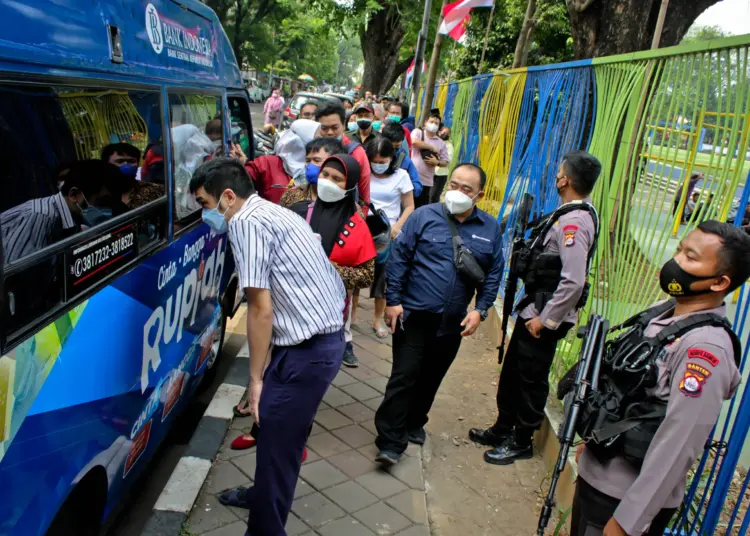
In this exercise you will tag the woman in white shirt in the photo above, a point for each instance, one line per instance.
(390, 191)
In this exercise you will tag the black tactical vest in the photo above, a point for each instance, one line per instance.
(619, 418)
(541, 272)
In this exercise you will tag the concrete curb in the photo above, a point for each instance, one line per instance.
(173, 506)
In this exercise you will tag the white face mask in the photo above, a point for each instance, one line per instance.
(329, 192)
(457, 202)
(379, 169)
(432, 127)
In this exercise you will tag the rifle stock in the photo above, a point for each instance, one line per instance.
(589, 365)
(511, 282)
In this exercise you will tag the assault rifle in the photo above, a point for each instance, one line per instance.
(511, 282)
(586, 373)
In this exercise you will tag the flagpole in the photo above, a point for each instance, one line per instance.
(421, 42)
(434, 64)
(486, 37)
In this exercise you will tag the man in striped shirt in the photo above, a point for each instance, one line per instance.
(296, 306)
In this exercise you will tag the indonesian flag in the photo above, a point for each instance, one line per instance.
(456, 17)
(410, 70)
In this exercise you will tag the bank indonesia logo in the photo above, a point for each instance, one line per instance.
(153, 28)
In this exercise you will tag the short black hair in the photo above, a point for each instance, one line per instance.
(93, 177)
(221, 173)
(402, 106)
(393, 132)
(120, 148)
(734, 255)
(435, 115)
(330, 107)
(381, 146)
(583, 169)
(214, 127)
(482, 174)
(331, 145)
(308, 103)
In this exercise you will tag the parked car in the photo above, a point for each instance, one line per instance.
(340, 96)
(303, 97)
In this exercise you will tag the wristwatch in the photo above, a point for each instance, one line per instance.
(482, 313)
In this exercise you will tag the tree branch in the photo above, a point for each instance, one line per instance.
(579, 5)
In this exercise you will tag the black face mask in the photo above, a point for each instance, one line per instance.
(364, 124)
(677, 282)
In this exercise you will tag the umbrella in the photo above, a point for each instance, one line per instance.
(305, 77)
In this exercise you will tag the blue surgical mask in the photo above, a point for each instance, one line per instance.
(129, 170)
(95, 215)
(351, 125)
(376, 125)
(396, 118)
(311, 173)
(379, 169)
(215, 219)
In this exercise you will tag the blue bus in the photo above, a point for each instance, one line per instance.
(113, 295)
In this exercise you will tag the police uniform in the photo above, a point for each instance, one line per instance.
(524, 386)
(695, 374)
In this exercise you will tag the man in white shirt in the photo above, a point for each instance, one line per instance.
(295, 303)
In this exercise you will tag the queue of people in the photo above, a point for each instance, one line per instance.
(434, 277)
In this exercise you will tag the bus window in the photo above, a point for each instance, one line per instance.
(197, 135)
(239, 110)
(70, 160)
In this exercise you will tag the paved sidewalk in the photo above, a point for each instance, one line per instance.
(341, 491)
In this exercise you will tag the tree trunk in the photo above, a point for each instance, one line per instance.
(380, 42)
(526, 36)
(607, 27)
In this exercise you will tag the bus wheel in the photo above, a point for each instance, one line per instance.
(218, 342)
(81, 513)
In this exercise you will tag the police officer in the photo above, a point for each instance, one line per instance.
(554, 285)
(696, 372)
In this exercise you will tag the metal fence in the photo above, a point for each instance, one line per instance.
(653, 119)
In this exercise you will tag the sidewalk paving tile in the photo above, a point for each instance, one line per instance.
(330, 419)
(409, 471)
(335, 397)
(416, 530)
(312, 456)
(302, 489)
(378, 384)
(322, 474)
(316, 429)
(374, 403)
(295, 526)
(246, 464)
(316, 510)
(342, 378)
(209, 514)
(382, 367)
(235, 529)
(355, 436)
(346, 526)
(225, 475)
(381, 483)
(350, 496)
(353, 463)
(412, 504)
(326, 444)
(357, 412)
(363, 373)
(361, 391)
(382, 519)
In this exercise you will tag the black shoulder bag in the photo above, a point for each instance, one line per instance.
(463, 259)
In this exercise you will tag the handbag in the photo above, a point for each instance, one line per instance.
(380, 229)
(463, 258)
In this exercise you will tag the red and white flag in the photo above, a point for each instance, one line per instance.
(410, 70)
(456, 17)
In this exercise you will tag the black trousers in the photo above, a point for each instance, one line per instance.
(592, 509)
(424, 197)
(437, 188)
(421, 359)
(524, 380)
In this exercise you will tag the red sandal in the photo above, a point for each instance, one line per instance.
(241, 443)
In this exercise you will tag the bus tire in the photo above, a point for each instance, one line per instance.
(81, 513)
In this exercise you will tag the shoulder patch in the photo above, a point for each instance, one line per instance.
(705, 355)
(570, 238)
(692, 384)
(570, 228)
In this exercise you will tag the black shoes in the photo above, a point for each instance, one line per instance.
(509, 452)
(488, 437)
(350, 360)
(387, 458)
(417, 436)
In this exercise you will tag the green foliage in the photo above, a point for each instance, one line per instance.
(552, 40)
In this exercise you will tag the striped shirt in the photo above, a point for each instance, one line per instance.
(275, 249)
(33, 225)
